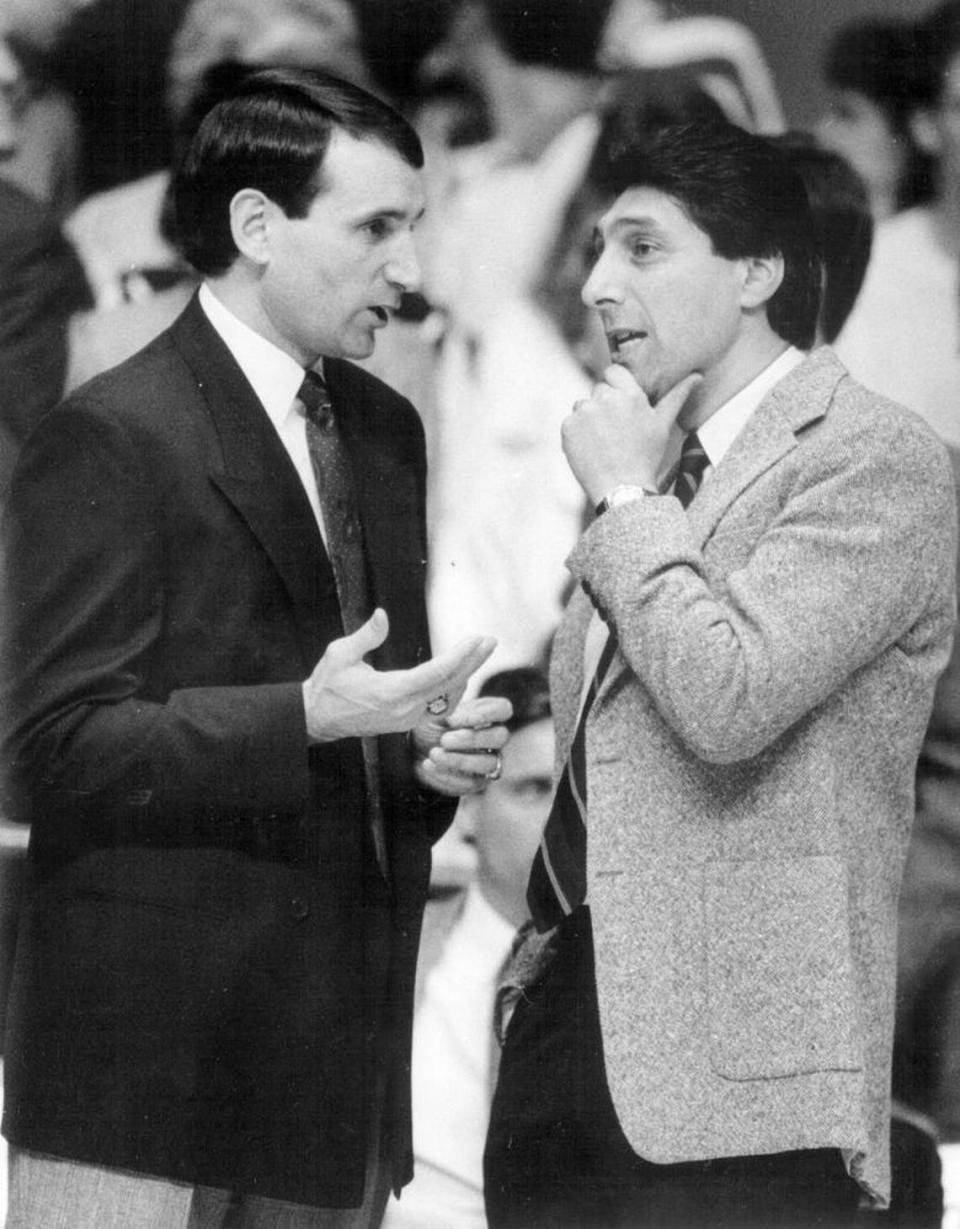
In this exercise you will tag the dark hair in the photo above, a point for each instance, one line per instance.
(741, 191)
(526, 688)
(938, 43)
(876, 59)
(564, 34)
(639, 101)
(881, 61)
(272, 132)
(843, 222)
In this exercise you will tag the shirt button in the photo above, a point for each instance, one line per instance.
(299, 907)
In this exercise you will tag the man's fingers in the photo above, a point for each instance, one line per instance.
(351, 649)
(617, 376)
(469, 666)
(457, 665)
(479, 713)
(448, 672)
(473, 741)
(472, 766)
(671, 403)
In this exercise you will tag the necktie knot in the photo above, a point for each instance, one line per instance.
(314, 396)
(693, 463)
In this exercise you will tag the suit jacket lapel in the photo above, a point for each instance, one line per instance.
(567, 668)
(800, 398)
(252, 469)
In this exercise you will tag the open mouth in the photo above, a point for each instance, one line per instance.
(619, 339)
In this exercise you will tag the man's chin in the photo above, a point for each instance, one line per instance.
(635, 368)
(653, 389)
(359, 347)
(365, 350)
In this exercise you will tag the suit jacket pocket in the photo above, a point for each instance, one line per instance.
(779, 968)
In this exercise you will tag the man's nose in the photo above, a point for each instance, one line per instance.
(599, 286)
(403, 268)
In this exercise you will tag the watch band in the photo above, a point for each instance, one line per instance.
(624, 493)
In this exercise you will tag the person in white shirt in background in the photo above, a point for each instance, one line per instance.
(903, 336)
(467, 937)
(504, 511)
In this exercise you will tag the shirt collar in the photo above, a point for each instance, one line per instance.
(725, 424)
(274, 376)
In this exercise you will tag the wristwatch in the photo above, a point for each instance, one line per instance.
(625, 493)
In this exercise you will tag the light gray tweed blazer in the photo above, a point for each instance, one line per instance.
(751, 758)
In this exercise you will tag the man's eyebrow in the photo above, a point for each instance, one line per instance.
(396, 215)
(644, 221)
(624, 222)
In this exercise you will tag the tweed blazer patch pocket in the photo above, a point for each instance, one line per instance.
(780, 993)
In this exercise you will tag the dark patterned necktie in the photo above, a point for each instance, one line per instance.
(344, 542)
(693, 464)
(558, 877)
(338, 501)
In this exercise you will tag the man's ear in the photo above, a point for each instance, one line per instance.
(250, 224)
(762, 278)
(925, 131)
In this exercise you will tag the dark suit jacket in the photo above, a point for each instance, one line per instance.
(41, 284)
(190, 978)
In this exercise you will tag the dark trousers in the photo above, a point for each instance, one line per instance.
(556, 1157)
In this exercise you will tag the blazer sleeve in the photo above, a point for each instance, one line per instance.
(857, 557)
(88, 727)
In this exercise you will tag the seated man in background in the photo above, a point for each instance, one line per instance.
(467, 937)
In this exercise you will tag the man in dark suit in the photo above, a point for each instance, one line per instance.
(231, 809)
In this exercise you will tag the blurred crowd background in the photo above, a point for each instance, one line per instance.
(516, 102)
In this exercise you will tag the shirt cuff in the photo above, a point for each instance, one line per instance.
(950, 1174)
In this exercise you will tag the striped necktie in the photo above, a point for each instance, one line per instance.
(333, 474)
(338, 501)
(693, 464)
(558, 877)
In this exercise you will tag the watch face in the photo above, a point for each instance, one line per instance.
(625, 495)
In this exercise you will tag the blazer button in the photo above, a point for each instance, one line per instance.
(299, 907)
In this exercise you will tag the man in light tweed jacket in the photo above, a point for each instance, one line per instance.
(707, 1040)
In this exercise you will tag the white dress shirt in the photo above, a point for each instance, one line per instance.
(451, 1074)
(275, 378)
